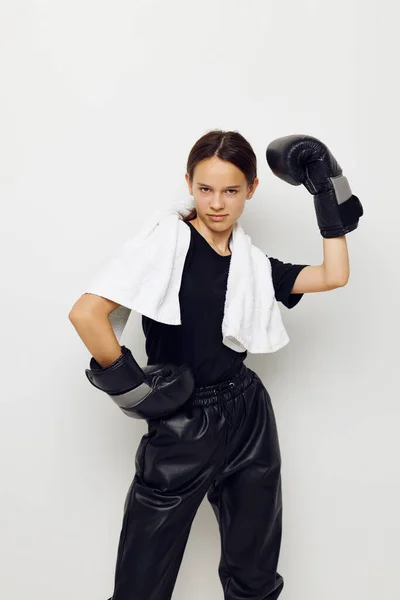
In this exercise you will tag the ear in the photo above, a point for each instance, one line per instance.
(252, 188)
(189, 183)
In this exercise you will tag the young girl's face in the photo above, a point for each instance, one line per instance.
(220, 190)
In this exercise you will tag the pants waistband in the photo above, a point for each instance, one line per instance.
(226, 389)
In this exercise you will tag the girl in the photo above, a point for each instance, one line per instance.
(223, 442)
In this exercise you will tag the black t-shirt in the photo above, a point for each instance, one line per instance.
(197, 341)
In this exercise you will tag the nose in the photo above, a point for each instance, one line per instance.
(217, 201)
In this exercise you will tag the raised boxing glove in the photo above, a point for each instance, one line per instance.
(149, 393)
(302, 159)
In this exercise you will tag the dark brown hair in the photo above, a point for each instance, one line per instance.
(226, 145)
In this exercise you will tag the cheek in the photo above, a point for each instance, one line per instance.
(201, 201)
(237, 204)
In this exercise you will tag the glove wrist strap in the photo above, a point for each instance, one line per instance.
(334, 219)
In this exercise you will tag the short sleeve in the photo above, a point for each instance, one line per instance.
(284, 276)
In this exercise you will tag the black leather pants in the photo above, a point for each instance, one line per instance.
(222, 443)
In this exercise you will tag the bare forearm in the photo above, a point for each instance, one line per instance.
(98, 336)
(336, 260)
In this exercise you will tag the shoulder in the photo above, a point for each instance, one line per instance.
(284, 275)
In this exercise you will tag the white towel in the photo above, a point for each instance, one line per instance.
(145, 276)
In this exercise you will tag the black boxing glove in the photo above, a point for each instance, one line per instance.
(149, 393)
(302, 159)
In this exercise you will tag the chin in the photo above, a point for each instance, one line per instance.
(224, 223)
(221, 226)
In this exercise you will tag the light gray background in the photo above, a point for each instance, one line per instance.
(100, 105)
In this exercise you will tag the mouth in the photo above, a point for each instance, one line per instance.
(217, 217)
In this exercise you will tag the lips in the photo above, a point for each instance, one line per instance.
(217, 217)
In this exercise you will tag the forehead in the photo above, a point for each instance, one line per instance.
(216, 171)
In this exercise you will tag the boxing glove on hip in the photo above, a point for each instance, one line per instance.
(149, 393)
(302, 159)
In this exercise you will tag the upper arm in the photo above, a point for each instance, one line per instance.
(91, 304)
(284, 276)
(312, 279)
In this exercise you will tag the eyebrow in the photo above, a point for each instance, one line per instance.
(228, 187)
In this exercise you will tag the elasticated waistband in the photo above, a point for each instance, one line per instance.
(228, 388)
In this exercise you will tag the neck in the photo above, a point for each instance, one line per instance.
(218, 239)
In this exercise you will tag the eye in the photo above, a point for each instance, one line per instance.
(207, 189)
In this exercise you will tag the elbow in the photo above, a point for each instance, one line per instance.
(338, 283)
(344, 280)
(338, 280)
(75, 315)
(73, 318)
(333, 284)
(80, 310)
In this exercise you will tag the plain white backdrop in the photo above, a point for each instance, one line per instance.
(100, 105)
